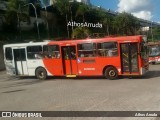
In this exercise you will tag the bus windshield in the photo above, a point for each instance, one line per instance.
(154, 51)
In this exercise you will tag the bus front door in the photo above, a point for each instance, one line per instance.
(20, 61)
(129, 58)
(69, 60)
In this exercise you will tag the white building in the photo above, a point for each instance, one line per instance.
(50, 2)
(84, 1)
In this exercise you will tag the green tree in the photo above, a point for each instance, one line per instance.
(12, 18)
(126, 24)
(80, 33)
(107, 23)
(155, 34)
(106, 20)
(64, 8)
(12, 15)
(82, 9)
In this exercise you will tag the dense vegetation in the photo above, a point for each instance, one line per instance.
(62, 12)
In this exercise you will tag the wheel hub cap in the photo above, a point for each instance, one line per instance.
(111, 73)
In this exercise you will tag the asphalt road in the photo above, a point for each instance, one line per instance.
(82, 94)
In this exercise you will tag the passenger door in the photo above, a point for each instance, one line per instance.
(69, 60)
(20, 61)
(129, 58)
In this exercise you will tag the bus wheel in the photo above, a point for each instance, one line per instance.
(41, 73)
(111, 73)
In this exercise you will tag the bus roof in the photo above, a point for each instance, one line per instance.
(25, 44)
(108, 39)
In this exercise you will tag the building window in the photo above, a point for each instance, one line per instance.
(108, 49)
(87, 50)
(8, 53)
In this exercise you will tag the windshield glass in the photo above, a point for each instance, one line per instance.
(154, 51)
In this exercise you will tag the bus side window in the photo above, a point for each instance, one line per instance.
(34, 52)
(8, 53)
(87, 50)
(107, 49)
(51, 51)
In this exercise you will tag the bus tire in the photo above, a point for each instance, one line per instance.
(41, 73)
(111, 73)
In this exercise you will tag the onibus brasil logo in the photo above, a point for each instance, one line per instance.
(21, 114)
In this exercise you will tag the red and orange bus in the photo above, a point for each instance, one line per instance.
(109, 57)
(154, 52)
